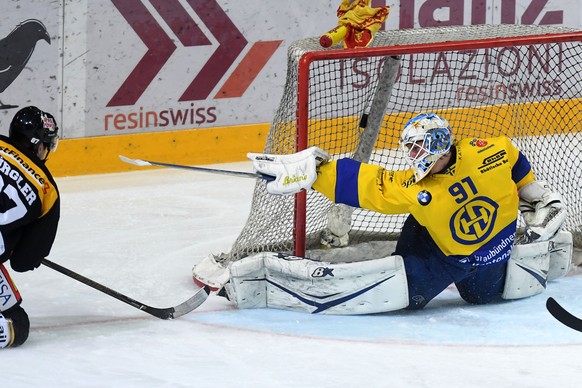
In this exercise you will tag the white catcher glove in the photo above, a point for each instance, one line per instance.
(543, 211)
(293, 172)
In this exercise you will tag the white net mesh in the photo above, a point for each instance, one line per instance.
(526, 90)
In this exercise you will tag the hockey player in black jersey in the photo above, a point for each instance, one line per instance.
(29, 211)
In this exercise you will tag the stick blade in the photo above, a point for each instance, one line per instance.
(183, 308)
(136, 162)
(193, 303)
(562, 315)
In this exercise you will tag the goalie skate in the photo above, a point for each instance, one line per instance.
(212, 272)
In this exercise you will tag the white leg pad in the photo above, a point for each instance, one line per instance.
(247, 287)
(527, 270)
(561, 251)
(299, 284)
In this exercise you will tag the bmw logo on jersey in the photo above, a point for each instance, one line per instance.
(424, 197)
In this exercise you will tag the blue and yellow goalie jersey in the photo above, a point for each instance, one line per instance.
(470, 209)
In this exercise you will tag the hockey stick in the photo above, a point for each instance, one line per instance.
(562, 315)
(143, 163)
(162, 313)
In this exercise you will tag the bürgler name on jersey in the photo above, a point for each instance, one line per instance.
(15, 175)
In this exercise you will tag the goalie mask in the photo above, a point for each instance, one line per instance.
(424, 140)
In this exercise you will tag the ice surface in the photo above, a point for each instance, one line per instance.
(140, 233)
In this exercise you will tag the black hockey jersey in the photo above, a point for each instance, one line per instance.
(29, 208)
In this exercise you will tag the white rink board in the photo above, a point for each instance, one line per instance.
(95, 49)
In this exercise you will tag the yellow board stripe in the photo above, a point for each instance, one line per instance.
(97, 155)
(494, 120)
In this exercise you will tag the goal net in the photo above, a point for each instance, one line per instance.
(521, 81)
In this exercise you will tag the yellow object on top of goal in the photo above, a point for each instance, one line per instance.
(357, 24)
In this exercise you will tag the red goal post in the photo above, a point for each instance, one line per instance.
(522, 81)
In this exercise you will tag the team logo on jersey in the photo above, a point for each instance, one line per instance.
(424, 197)
(474, 222)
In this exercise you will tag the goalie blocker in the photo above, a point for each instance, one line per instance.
(294, 283)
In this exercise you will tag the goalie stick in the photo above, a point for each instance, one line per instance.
(562, 315)
(143, 163)
(162, 313)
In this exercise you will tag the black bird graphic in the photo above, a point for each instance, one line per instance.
(16, 49)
